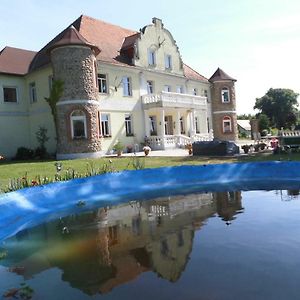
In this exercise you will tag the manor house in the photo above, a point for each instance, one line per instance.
(119, 85)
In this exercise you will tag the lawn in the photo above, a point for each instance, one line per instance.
(13, 169)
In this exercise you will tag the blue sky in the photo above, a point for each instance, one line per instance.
(256, 42)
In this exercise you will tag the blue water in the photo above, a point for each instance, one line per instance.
(221, 245)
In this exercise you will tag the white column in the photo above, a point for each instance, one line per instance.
(162, 122)
(177, 123)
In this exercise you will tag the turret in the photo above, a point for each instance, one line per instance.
(223, 105)
(74, 62)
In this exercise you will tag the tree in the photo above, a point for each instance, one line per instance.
(263, 123)
(278, 105)
(55, 94)
(245, 117)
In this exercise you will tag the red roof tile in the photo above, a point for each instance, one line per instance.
(192, 74)
(15, 61)
(72, 37)
(220, 75)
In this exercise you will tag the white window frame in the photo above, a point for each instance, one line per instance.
(128, 125)
(224, 91)
(150, 87)
(78, 118)
(17, 94)
(32, 92)
(151, 57)
(179, 89)
(168, 62)
(102, 125)
(102, 82)
(227, 119)
(50, 82)
(127, 86)
(167, 88)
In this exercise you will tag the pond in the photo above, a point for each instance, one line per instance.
(208, 245)
(226, 231)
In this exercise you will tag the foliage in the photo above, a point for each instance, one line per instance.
(24, 153)
(24, 292)
(118, 146)
(138, 163)
(277, 105)
(41, 136)
(245, 117)
(263, 122)
(55, 94)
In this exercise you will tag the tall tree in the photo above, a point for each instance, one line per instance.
(278, 105)
(55, 94)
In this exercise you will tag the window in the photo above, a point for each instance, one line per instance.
(128, 125)
(179, 89)
(127, 90)
(151, 57)
(50, 83)
(78, 124)
(227, 124)
(195, 92)
(167, 88)
(105, 125)
(32, 92)
(225, 95)
(153, 125)
(150, 87)
(102, 83)
(10, 94)
(197, 125)
(168, 61)
(182, 131)
(205, 93)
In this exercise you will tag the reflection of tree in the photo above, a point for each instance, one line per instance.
(112, 246)
(228, 205)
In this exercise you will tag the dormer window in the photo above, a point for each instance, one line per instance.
(225, 95)
(168, 62)
(151, 57)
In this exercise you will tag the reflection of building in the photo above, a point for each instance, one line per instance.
(228, 205)
(112, 246)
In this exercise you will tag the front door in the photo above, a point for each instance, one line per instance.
(168, 125)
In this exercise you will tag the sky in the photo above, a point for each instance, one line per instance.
(256, 42)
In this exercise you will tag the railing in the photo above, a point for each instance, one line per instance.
(294, 133)
(174, 99)
(173, 141)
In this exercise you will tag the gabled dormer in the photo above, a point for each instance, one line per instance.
(154, 48)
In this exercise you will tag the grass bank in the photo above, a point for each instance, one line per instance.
(15, 169)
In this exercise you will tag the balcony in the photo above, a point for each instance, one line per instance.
(167, 99)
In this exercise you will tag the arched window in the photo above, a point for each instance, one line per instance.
(78, 124)
(225, 95)
(227, 124)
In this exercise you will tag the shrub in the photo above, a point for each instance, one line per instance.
(24, 153)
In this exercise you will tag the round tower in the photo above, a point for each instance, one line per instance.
(74, 63)
(223, 106)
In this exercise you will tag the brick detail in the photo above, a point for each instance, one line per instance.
(220, 110)
(65, 143)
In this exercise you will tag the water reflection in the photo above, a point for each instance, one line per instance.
(108, 247)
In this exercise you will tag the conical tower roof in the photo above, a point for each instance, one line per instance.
(220, 75)
(71, 36)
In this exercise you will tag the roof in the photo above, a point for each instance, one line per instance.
(72, 37)
(97, 34)
(244, 124)
(15, 61)
(192, 74)
(220, 75)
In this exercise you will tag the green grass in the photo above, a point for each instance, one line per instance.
(13, 169)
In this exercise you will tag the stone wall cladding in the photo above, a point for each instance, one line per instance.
(65, 142)
(74, 65)
(229, 109)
